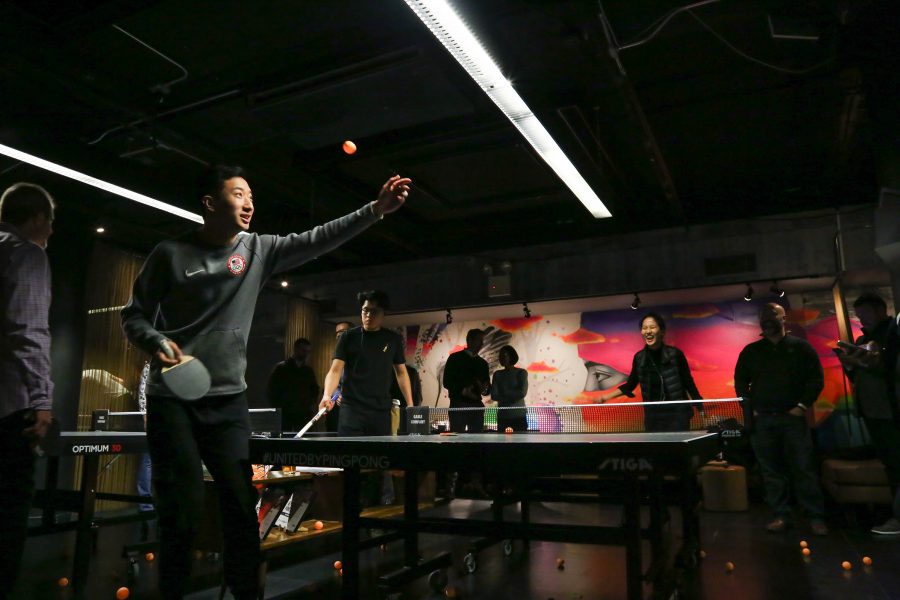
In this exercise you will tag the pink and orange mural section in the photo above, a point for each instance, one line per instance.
(577, 359)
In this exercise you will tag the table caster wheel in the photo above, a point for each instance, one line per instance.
(437, 580)
(470, 562)
(507, 548)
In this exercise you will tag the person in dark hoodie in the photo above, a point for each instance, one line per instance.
(663, 373)
(197, 294)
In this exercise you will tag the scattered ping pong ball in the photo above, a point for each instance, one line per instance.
(703, 554)
(806, 552)
(63, 581)
(560, 563)
(149, 556)
(349, 147)
(867, 561)
(319, 525)
(509, 430)
(338, 565)
(803, 544)
(122, 593)
(847, 565)
(729, 566)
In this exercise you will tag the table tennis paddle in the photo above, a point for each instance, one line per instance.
(311, 422)
(189, 379)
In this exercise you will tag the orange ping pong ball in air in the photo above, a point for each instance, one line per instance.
(122, 593)
(63, 581)
(847, 565)
(349, 147)
(867, 561)
(807, 552)
(319, 525)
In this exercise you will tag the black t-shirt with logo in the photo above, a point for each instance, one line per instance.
(370, 357)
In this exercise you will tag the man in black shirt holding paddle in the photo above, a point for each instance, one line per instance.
(369, 358)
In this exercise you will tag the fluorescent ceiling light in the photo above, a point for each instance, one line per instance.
(98, 183)
(446, 25)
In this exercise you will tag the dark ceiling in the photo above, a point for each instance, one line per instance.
(692, 128)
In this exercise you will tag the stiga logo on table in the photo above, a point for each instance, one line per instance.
(626, 464)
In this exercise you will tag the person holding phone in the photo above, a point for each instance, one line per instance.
(863, 363)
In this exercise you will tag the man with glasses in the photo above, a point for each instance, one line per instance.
(366, 360)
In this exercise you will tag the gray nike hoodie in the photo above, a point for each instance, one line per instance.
(203, 296)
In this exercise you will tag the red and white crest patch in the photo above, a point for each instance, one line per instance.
(236, 264)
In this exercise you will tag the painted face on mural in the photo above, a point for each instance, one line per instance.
(651, 332)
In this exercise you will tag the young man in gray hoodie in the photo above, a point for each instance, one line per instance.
(198, 294)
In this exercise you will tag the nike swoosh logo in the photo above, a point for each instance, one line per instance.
(192, 273)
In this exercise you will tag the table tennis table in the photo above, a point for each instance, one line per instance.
(635, 459)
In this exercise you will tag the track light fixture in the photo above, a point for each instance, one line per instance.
(749, 295)
(449, 316)
(526, 310)
(776, 290)
(636, 302)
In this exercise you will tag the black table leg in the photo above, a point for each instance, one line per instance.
(632, 526)
(411, 515)
(83, 536)
(350, 534)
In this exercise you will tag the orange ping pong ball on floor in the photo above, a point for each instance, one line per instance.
(867, 561)
(349, 147)
(149, 556)
(729, 566)
(807, 552)
(63, 581)
(560, 563)
(338, 565)
(122, 593)
(803, 544)
(509, 430)
(847, 565)
(319, 525)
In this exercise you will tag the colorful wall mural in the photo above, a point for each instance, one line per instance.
(578, 357)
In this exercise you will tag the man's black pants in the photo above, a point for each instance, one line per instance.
(216, 430)
(16, 491)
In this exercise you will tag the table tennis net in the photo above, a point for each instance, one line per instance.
(611, 417)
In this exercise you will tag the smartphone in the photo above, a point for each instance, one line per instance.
(849, 346)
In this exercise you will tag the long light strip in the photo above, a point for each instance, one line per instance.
(447, 26)
(98, 183)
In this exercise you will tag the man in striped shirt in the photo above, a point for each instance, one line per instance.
(26, 391)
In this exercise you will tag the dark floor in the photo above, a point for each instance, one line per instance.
(766, 566)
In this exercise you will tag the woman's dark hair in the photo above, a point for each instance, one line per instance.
(213, 179)
(656, 317)
(375, 296)
(510, 352)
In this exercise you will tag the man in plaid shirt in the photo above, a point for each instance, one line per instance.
(26, 391)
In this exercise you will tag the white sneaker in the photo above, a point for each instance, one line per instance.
(889, 527)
